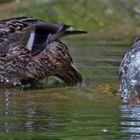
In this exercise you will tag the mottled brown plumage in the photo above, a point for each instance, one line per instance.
(30, 50)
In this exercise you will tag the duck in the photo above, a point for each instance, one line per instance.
(31, 50)
(129, 74)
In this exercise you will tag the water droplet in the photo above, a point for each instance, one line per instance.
(104, 130)
(6, 113)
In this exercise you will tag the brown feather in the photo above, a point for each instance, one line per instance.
(48, 58)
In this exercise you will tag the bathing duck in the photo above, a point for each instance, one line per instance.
(130, 73)
(31, 50)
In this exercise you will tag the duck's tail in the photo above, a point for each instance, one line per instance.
(70, 76)
(76, 32)
(65, 33)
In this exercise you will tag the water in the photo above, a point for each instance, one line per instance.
(74, 113)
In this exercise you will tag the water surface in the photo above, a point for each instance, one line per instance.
(83, 112)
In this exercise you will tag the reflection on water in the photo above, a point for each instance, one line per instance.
(73, 113)
(6, 103)
(131, 121)
(57, 115)
(10, 112)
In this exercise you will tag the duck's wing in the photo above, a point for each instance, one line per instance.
(15, 33)
(57, 30)
(47, 32)
(30, 33)
(26, 32)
